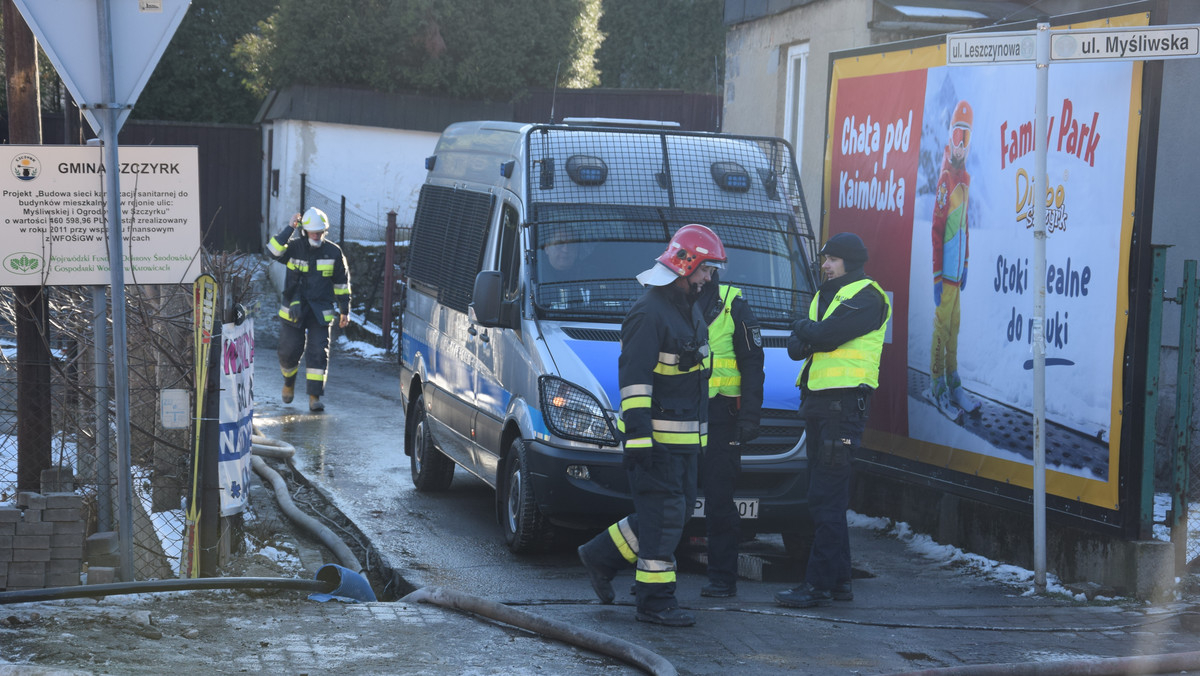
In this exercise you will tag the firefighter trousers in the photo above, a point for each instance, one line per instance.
(663, 494)
(312, 341)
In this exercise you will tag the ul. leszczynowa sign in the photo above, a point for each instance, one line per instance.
(53, 205)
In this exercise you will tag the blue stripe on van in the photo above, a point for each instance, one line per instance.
(779, 390)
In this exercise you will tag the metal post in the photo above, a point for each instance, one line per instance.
(342, 221)
(100, 356)
(1037, 332)
(389, 279)
(1185, 373)
(1150, 405)
(303, 190)
(116, 267)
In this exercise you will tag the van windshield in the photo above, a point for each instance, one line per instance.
(588, 256)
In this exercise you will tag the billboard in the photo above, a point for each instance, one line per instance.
(934, 167)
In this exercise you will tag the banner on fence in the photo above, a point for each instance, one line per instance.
(237, 414)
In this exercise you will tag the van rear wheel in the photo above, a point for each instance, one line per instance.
(431, 470)
(525, 527)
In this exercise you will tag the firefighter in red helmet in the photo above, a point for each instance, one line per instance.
(663, 374)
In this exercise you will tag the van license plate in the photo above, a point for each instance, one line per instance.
(747, 507)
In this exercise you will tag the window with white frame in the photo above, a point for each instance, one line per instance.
(793, 115)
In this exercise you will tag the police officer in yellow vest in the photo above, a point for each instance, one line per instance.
(841, 341)
(735, 391)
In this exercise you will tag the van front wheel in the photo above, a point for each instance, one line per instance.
(431, 470)
(525, 528)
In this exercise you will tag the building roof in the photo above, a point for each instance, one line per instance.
(364, 107)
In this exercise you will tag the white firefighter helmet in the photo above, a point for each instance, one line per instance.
(314, 220)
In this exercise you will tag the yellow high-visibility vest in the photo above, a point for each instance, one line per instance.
(725, 379)
(855, 362)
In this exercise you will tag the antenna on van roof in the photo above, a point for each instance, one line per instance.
(554, 92)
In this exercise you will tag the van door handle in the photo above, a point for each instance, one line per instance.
(485, 337)
(471, 330)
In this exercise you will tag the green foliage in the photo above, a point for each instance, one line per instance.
(459, 48)
(667, 44)
(198, 78)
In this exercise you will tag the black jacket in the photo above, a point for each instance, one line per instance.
(317, 277)
(664, 340)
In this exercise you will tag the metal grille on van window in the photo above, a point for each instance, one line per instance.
(449, 233)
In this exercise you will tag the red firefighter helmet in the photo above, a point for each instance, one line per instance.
(692, 246)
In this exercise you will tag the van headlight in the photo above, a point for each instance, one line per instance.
(572, 412)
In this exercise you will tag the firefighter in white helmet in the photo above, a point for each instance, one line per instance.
(315, 293)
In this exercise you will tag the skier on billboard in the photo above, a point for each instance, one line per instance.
(950, 256)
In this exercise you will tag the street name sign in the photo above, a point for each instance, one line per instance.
(1180, 41)
(69, 32)
(968, 49)
(52, 202)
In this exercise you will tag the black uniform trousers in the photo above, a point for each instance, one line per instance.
(663, 495)
(312, 340)
(720, 468)
(832, 441)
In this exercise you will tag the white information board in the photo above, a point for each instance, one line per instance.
(52, 201)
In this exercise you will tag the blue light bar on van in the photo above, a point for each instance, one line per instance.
(587, 170)
(731, 176)
(429, 162)
(506, 168)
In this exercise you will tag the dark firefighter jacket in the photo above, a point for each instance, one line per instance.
(318, 280)
(662, 374)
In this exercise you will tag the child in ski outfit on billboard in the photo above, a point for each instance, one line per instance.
(950, 255)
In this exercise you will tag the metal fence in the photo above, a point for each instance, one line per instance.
(345, 223)
(160, 337)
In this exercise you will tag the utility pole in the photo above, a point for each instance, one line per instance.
(33, 306)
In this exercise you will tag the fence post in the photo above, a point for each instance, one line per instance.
(389, 280)
(1150, 391)
(342, 236)
(303, 190)
(1184, 383)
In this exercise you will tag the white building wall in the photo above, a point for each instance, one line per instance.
(756, 76)
(377, 169)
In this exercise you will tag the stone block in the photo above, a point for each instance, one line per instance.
(60, 515)
(101, 574)
(27, 568)
(102, 549)
(74, 528)
(6, 545)
(58, 480)
(75, 552)
(27, 500)
(9, 515)
(64, 501)
(33, 554)
(31, 516)
(62, 579)
(65, 539)
(37, 528)
(63, 566)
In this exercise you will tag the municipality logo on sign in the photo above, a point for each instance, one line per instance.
(23, 263)
(26, 167)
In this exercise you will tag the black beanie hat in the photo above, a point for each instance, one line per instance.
(846, 246)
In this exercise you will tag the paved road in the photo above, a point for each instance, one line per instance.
(910, 612)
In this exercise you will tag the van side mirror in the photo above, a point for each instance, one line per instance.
(487, 306)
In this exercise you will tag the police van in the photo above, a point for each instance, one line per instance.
(524, 249)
